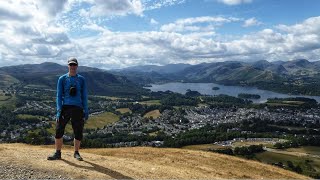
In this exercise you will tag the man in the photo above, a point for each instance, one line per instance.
(72, 104)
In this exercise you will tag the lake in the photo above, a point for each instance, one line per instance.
(206, 89)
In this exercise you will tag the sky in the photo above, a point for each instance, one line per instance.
(113, 34)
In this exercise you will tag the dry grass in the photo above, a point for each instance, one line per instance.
(101, 120)
(154, 114)
(124, 110)
(142, 163)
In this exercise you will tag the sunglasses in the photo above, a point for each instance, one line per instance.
(73, 64)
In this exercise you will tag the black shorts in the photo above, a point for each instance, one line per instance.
(75, 114)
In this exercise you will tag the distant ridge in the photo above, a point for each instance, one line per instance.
(100, 82)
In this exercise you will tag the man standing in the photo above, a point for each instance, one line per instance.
(72, 104)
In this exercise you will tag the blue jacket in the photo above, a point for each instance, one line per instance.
(80, 99)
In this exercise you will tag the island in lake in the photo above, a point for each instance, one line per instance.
(248, 96)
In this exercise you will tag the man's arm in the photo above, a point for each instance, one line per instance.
(85, 99)
(59, 96)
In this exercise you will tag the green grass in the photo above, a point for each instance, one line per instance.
(281, 104)
(151, 102)
(9, 103)
(306, 149)
(204, 147)
(240, 144)
(68, 130)
(98, 121)
(101, 120)
(36, 86)
(28, 116)
(309, 165)
(7, 80)
(4, 98)
(290, 127)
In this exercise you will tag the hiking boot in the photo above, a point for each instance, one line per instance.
(55, 156)
(77, 156)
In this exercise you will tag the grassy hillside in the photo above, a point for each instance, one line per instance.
(139, 163)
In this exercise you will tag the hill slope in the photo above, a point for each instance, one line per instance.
(132, 163)
(46, 75)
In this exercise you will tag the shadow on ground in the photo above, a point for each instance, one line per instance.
(98, 168)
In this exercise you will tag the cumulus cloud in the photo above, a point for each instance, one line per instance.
(7, 14)
(153, 21)
(234, 2)
(163, 47)
(196, 24)
(115, 7)
(251, 22)
(157, 4)
(52, 8)
(29, 34)
(32, 35)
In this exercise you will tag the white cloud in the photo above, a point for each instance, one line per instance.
(157, 4)
(251, 22)
(115, 7)
(234, 2)
(205, 23)
(52, 7)
(30, 34)
(153, 21)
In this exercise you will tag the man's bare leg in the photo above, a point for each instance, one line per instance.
(57, 154)
(58, 143)
(76, 149)
(76, 145)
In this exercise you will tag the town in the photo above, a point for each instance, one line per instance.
(170, 122)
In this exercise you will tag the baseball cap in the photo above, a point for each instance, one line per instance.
(72, 60)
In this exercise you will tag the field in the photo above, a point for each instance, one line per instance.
(7, 101)
(94, 122)
(99, 121)
(204, 147)
(239, 144)
(28, 116)
(154, 114)
(307, 149)
(36, 86)
(286, 103)
(124, 110)
(4, 98)
(310, 165)
(290, 127)
(151, 102)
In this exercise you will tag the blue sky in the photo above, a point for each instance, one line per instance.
(113, 34)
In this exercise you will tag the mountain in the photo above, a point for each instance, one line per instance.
(21, 161)
(145, 78)
(227, 73)
(166, 69)
(262, 64)
(45, 75)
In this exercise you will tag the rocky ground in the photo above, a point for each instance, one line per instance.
(9, 171)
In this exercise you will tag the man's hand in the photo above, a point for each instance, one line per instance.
(86, 116)
(58, 116)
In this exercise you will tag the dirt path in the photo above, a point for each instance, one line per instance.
(132, 163)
